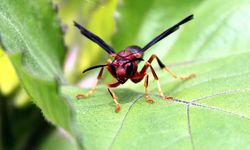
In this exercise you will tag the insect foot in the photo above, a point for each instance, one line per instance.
(150, 101)
(81, 96)
(118, 108)
(168, 98)
(188, 77)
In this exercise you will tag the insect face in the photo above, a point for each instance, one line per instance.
(123, 70)
(120, 68)
(125, 63)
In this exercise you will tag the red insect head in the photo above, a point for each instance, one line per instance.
(125, 63)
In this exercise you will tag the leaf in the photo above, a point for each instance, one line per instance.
(31, 35)
(208, 112)
(57, 140)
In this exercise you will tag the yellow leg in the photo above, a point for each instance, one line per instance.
(148, 63)
(158, 85)
(179, 77)
(80, 96)
(118, 106)
(149, 100)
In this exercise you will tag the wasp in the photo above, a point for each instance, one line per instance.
(124, 64)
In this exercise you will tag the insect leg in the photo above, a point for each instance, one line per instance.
(118, 107)
(137, 78)
(143, 72)
(166, 68)
(158, 85)
(171, 72)
(146, 90)
(80, 96)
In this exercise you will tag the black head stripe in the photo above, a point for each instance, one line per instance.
(136, 59)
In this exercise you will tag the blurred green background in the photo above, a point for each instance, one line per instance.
(22, 123)
(215, 45)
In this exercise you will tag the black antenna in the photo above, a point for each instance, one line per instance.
(166, 33)
(95, 38)
(93, 67)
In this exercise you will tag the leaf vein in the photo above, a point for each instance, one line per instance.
(189, 127)
(211, 108)
(123, 120)
(221, 94)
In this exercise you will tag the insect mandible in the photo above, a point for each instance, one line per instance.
(124, 64)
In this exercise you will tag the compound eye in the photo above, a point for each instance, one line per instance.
(113, 70)
(129, 69)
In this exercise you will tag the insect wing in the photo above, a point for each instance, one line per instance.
(166, 33)
(95, 39)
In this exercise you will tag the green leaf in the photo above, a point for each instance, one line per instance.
(31, 35)
(58, 140)
(208, 112)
